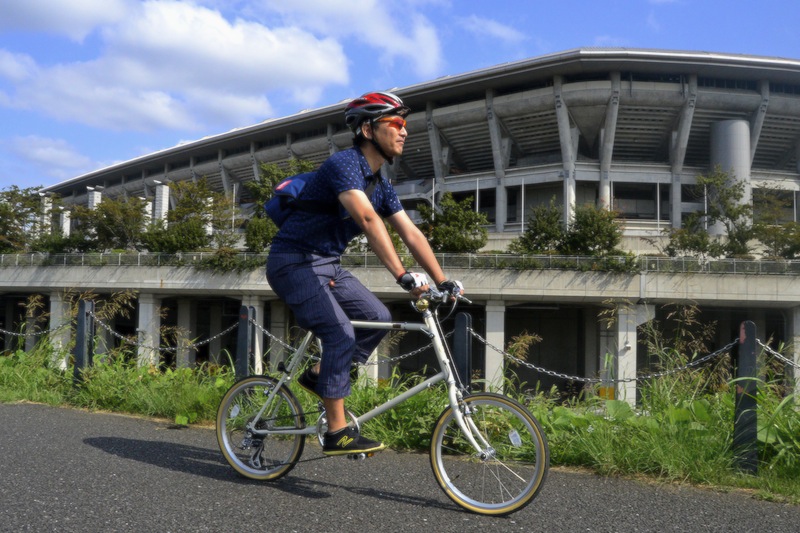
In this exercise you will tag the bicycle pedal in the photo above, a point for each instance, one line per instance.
(359, 456)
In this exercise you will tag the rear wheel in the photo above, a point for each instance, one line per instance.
(508, 472)
(263, 457)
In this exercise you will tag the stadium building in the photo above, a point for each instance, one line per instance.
(629, 129)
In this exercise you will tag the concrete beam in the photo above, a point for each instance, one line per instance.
(607, 140)
(568, 149)
(500, 164)
(757, 120)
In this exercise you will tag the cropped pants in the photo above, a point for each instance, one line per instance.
(324, 299)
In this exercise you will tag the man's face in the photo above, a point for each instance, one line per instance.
(390, 134)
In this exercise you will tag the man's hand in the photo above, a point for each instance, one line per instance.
(451, 287)
(413, 282)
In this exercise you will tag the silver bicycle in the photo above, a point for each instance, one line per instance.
(488, 452)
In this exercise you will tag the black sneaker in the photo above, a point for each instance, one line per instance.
(308, 380)
(348, 440)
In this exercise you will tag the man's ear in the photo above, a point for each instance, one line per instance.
(366, 127)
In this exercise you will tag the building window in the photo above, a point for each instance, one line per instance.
(643, 201)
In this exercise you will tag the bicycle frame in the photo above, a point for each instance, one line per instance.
(429, 327)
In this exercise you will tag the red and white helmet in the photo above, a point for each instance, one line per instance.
(371, 106)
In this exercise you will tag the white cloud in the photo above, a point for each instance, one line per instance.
(51, 157)
(484, 27)
(175, 65)
(393, 28)
(16, 67)
(75, 19)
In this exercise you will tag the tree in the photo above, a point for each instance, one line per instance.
(260, 229)
(692, 239)
(186, 227)
(20, 218)
(454, 227)
(725, 195)
(593, 231)
(780, 238)
(544, 231)
(724, 206)
(118, 223)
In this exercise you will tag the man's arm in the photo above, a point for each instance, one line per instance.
(360, 208)
(418, 245)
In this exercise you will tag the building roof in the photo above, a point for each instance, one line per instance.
(654, 85)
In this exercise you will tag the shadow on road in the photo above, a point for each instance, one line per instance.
(193, 460)
(206, 463)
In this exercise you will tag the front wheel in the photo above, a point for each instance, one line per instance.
(508, 472)
(245, 408)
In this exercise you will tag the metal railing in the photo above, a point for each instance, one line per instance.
(448, 261)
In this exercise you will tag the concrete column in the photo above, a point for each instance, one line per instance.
(214, 327)
(94, 196)
(31, 334)
(105, 340)
(629, 317)
(64, 222)
(383, 370)
(730, 150)
(607, 136)
(568, 137)
(47, 215)
(161, 202)
(496, 336)
(149, 329)
(258, 341)
(148, 212)
(680, 143)
(185, 355)
(279, 327)
(60, 327)
(794, 342)
(501, 150)
(439, 153)
(8, 341)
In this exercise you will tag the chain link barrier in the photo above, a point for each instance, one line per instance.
(127, 340)
(643, 377)
(390, 360)
(39, 333)
(387, 360)
(777, 355)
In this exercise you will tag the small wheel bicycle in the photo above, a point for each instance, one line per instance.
(488, 453)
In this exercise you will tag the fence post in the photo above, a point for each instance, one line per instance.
(745, 424)
(84, 340)
(244, 342)
(462, 348)
(253, 344)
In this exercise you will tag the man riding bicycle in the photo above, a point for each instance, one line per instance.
(304, 267)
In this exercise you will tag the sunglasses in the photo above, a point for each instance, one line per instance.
(395, 122)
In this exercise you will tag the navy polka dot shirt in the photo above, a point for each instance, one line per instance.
(328, 234)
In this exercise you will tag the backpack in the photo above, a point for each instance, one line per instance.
(285, 199)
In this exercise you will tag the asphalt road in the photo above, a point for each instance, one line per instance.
(70, 470)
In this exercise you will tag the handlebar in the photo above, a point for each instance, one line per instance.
(436, 297)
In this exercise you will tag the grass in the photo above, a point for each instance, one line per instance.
(680, 432)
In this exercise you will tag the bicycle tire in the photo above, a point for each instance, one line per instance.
(266, 457)
(510, 472)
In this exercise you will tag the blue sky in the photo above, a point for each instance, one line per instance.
(85, 84)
